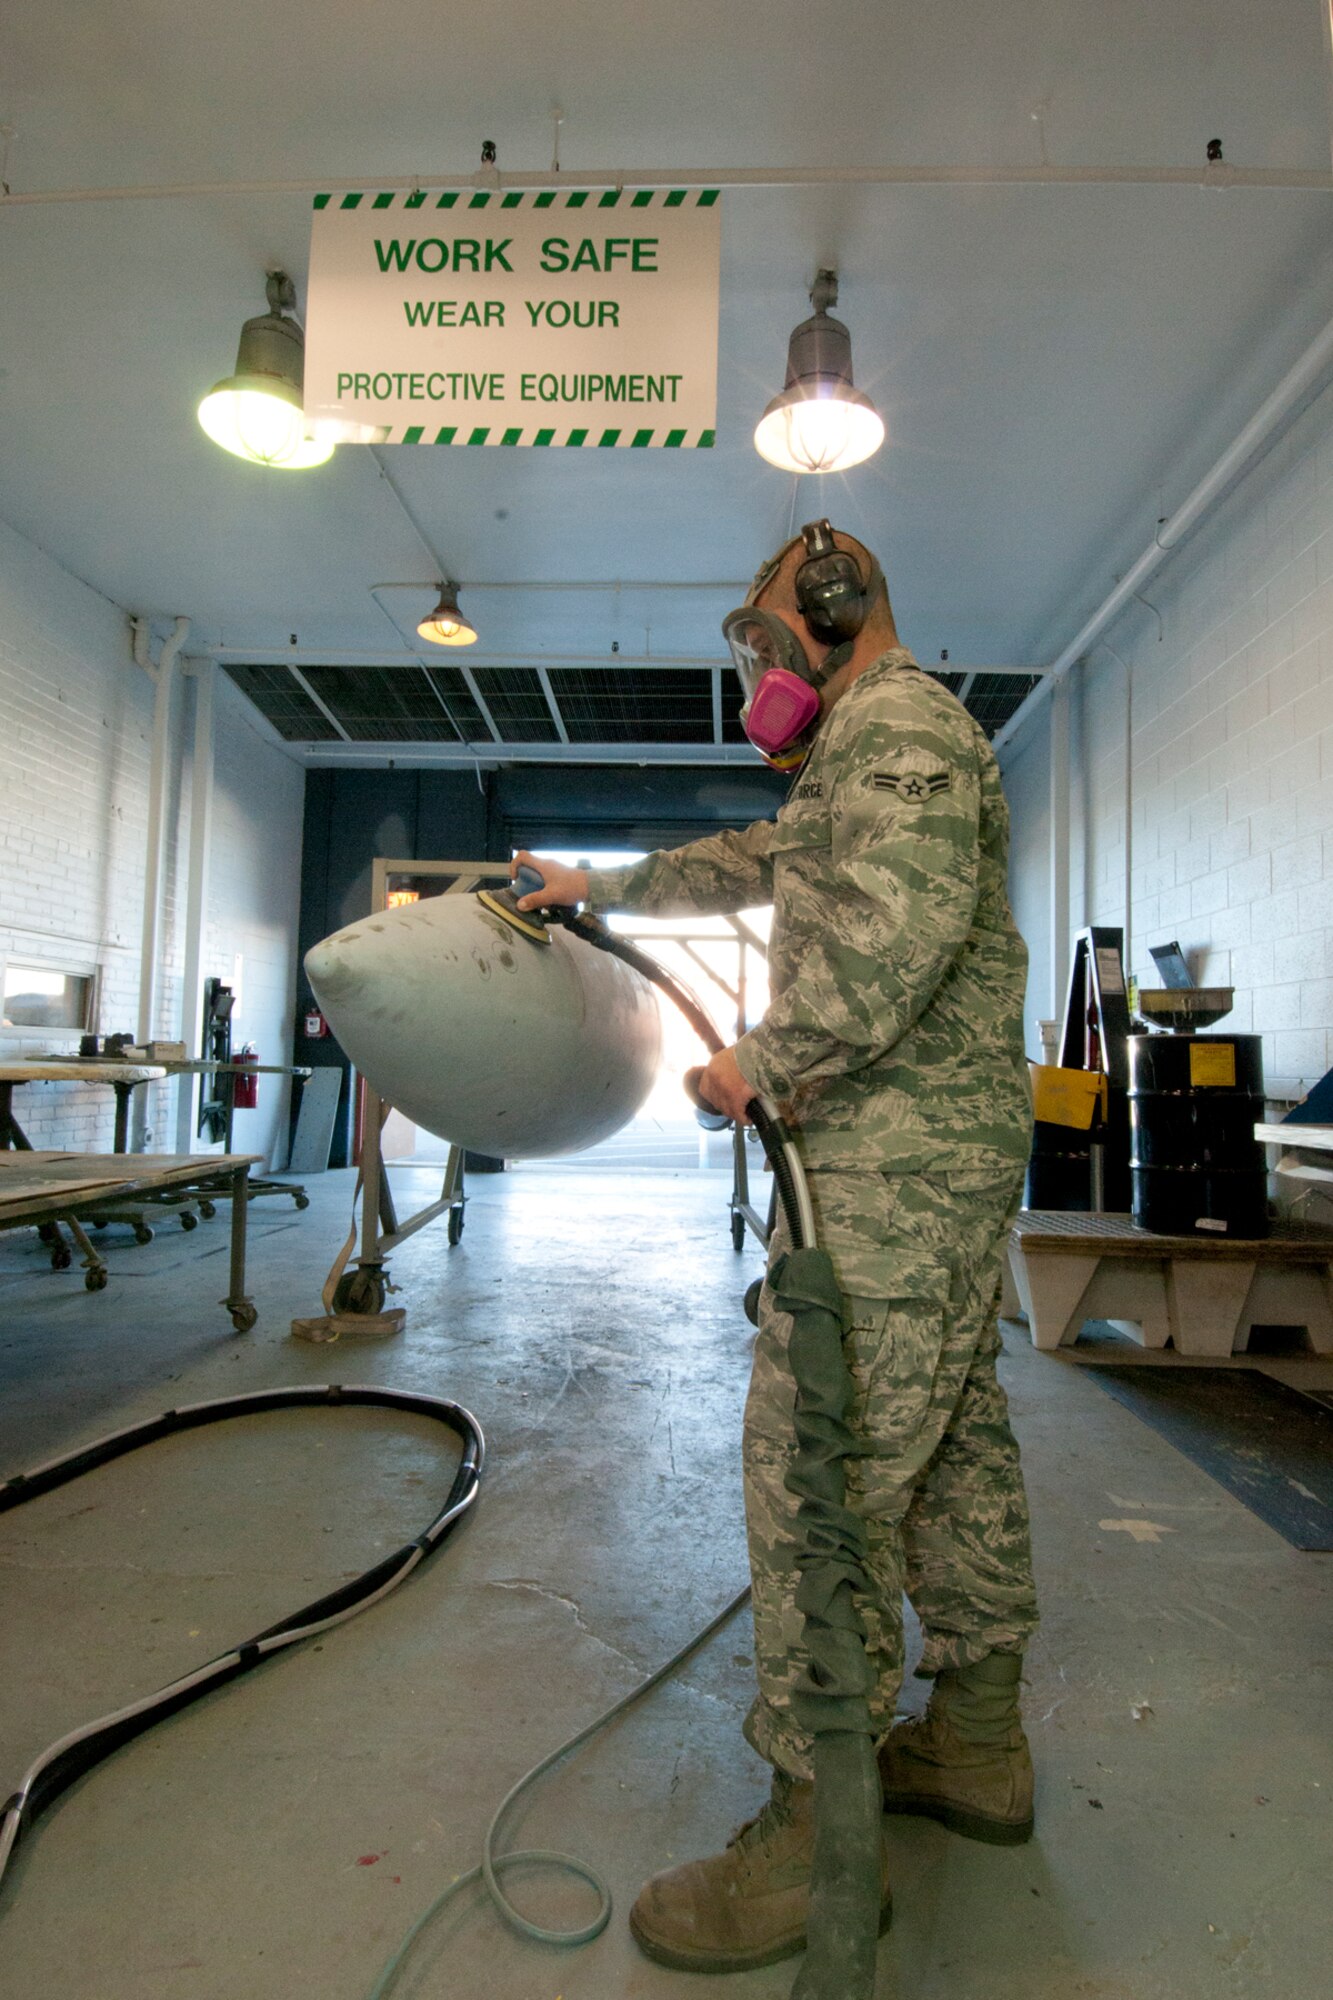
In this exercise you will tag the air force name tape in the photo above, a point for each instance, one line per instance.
(914, 786)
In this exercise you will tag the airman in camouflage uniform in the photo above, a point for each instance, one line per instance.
(893, 1040)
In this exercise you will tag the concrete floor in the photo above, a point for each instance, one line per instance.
(277, 1840)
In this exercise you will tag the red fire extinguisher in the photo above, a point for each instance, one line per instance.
(246, 1097)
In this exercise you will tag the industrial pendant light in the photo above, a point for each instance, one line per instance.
(447, 625)
(820, 422)
(258, 412)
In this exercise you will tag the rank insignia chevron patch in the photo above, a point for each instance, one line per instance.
(914, 786)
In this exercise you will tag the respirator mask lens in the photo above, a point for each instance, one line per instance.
(759, 643)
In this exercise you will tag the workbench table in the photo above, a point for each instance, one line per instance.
(45, 1189)
(122, 1076)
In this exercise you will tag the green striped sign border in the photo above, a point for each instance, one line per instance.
(540, 198)
(584, 435)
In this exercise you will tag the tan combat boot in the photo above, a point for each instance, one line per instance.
(747, 1906)
(966, 1761)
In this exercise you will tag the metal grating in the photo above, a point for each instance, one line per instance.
(456, 695)
(283, 702)
(995, 697)
(733, 701)
(377, 705)
(426, 703)
(635, 704)
(515, 698)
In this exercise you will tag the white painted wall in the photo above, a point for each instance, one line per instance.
(1027, 786)
(1232, 762)
(77, 719)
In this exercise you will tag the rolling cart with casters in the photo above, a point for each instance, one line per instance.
(47, 1189)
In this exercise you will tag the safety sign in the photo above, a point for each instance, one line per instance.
(548, 317)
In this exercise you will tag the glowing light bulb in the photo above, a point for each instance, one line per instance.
(262, 422)
(819, 433)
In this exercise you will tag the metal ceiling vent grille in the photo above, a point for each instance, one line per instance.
(517, 704)
(285, 703)
(993, 698)
(376, 707)
(425, 703)
(635, 704)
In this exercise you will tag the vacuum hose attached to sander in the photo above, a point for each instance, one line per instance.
(831, 1699)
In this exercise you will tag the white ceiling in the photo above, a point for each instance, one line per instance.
(1056, 364)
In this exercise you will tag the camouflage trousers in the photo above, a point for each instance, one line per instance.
(939, 1485)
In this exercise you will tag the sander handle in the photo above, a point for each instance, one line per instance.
(706, 1114)
(527, 881)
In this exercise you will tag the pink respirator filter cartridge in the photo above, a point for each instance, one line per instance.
(783, 706)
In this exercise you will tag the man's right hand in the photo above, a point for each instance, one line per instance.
(564, 886)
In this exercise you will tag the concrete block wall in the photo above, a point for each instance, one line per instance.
(73, 829)
(1230, 760)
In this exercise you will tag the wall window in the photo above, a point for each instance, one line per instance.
(35, 996)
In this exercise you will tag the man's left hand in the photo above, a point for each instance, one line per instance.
(726, 1089)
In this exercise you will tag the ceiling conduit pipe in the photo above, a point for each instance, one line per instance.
(1218, 174)
(164, 675)
(1295, 389)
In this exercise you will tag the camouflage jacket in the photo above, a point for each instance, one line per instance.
(894, 1030)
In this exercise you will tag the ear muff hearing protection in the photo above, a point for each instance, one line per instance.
(831, 594)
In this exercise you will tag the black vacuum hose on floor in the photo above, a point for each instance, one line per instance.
(62, 1762)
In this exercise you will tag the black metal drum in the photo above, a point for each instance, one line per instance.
(1195, 1165)
(1059, 1170)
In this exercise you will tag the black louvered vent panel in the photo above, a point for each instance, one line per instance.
(635, 704)
(456, 695)
(733, 701)
(383, 704)
(946, 680)
(283, 702)
(995, 697)
(514, 697)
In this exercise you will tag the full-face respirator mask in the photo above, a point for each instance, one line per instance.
(780, 684)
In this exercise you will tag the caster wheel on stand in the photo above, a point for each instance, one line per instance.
(61, 1258)
(243, 1318)
(752, 1301)
(94, 1279)
(189, 1220)
(301, 1200)
(737, 1231)
(455, 1225)
(208, 1210)
(142, 1233)
(360, 1292)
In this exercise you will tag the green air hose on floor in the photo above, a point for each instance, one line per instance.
(494, 1862)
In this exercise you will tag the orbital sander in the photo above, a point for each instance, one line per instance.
(503, 903)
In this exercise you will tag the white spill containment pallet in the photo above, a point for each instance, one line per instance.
(1201, 1295)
